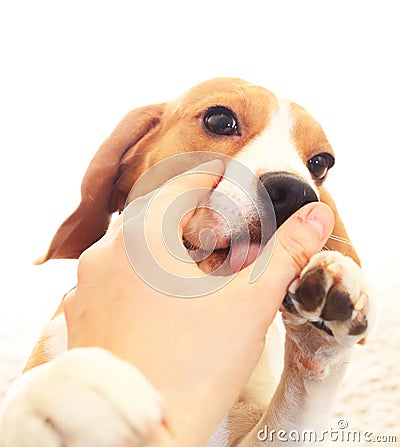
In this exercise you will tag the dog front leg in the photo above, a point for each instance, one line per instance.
(326, 312)
(299, 411)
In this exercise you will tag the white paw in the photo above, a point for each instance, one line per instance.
(86, 397)
(331, 294)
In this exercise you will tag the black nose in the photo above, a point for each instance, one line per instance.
(288, 193)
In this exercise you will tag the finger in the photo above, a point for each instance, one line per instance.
(133, 208)
(201, 178)
(296, 241)
(156, 230)
(198, 181)
(299, 239)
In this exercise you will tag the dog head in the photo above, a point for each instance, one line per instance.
(278, 141)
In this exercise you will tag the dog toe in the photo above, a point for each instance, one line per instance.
(331, 293)
(338, 305)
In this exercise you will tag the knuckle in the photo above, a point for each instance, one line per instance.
(295, 252)
(86, 260)
(69, 305)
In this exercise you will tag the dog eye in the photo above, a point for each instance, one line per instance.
(220, 121)
(320, 164)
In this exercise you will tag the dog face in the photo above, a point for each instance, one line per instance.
(284, 147)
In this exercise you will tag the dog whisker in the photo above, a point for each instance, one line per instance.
(340, 239)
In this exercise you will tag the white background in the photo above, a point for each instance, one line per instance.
(71, 70)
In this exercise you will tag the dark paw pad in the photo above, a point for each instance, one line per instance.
(338, 305)
(312, 290)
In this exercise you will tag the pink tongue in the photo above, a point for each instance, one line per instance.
(243, 254)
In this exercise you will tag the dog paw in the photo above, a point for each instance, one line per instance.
(86, 397)
(332, 295)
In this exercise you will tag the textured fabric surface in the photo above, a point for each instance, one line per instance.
(369, 398)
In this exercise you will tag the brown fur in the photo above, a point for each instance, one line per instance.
(150, 134)
(146, 136)
(40, 353)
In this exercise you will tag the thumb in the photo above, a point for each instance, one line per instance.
(296, 241)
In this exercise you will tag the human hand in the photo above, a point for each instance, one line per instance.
(198, 352)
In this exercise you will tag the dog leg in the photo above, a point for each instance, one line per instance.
(326, 311)
(85, 397)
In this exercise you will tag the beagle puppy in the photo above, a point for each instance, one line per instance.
(326, 311)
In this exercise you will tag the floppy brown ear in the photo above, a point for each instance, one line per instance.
(340, 240)
(90, 220)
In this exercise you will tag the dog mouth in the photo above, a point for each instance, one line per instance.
(243, 254)
(229, 231)
(225, 243)
(225, 260)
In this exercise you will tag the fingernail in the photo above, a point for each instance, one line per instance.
(322, 219)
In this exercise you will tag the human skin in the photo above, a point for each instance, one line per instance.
(198, 353)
